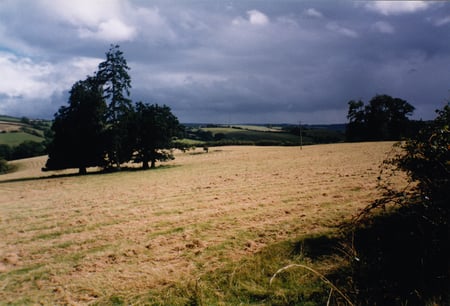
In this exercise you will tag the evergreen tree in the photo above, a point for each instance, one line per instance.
(113, 75)
(78, 129)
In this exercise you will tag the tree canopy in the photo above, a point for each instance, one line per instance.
(384, 118)
(78, 128)
(101, 127)
(402, 239)
(113, 75)
(156, 128)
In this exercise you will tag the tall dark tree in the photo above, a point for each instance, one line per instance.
(384, 118)
(113, 75)
(356, 125)
(78, 129)
(156, 128)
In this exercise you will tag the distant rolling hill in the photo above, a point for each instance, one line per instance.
(14, 131)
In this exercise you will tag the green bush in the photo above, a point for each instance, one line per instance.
(403, 252)
(4, 167)
(27, 149)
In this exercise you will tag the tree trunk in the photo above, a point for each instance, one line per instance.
(145, 164)
(153, 164)
(82, 170)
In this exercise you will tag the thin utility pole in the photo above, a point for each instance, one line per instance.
(301, 137)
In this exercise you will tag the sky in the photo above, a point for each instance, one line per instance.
(219, 61)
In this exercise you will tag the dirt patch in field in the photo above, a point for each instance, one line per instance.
(81, 239)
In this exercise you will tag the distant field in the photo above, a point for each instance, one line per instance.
(7, 126)
(253, 134)
(16, 138)
(259, 128)
(136, 235)
(9, 119)
(13, 131)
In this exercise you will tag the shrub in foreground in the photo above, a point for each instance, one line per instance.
(403, 253)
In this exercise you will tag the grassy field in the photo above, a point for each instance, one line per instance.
(16, 138)
(9, 119)
(13, 132)
(161, 236)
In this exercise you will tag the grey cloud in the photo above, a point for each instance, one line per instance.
(212, 62)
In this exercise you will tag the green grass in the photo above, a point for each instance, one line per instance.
(248, 282)
(14, 139)
(9, 119)
(166, 232)
(190, 142)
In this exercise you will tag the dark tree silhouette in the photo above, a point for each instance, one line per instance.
(356, 125)
(113, 75)
(384, 118)
(78, 129)
(100, 126)
(156, 128)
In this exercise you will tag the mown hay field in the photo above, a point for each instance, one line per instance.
(85, 239)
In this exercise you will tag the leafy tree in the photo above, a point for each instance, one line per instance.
(156, 128)
(5, 151)
(113, 75)
(4, 167)
(78, 129)
(427, 161)
(384, 118)
(403, 253)
(26, 149)
(356, 125)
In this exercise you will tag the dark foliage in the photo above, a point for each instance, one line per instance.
(403, 254)
(100, 127)
(401, 260)
(384, 118)
(156, 128)
(4, 167)
(315, 135)
(27, 149)
(5, 151)
(113, 75)
(78, 129)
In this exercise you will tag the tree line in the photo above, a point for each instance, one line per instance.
(383, 118)
(102, 127)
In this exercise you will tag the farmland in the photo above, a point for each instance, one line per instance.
(13, 131)
(16, 138)
(134, 236)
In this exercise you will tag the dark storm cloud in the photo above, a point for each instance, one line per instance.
(235, 61)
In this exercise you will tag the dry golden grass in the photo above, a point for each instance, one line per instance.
(83, 239)
(10, 126)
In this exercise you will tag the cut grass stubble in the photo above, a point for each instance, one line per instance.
(137, 236)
